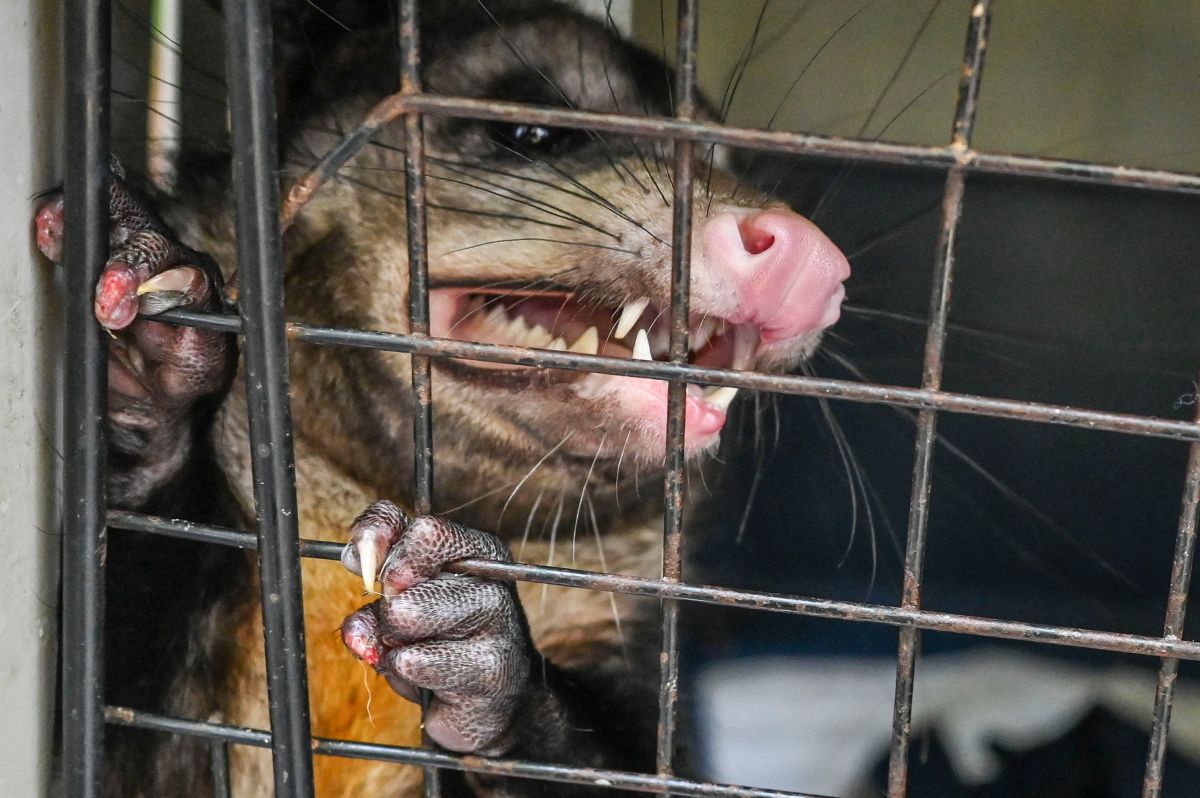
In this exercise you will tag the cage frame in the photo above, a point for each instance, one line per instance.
(267, 334)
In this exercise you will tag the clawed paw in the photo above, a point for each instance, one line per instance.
(148, 272)
(156, 371)
(462, 638)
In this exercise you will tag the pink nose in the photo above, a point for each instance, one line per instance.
(785, 275)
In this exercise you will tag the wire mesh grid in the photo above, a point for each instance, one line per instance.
(267, 334)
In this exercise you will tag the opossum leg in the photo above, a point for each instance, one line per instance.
(157, 372)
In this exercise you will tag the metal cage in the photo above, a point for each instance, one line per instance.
(267, 335)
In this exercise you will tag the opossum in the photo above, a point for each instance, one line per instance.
(542, 237)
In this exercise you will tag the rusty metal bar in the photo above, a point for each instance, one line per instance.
(588, 777)
(418, 258)
(1116, 642)
(674, 488)
(748, 138)
(939, 311)
(814, 145)
(847, 390)
(1181, 578)
(418, 298)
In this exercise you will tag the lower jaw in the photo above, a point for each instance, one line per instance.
(643, 406)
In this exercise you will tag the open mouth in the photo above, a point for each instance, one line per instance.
(563, 321)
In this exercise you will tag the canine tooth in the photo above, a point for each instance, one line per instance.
(641, 346)
(629, 316)
(745, 340)
(558, 344)
(720, 397)
(703, 333)
(367, 557)
(588, 343)
(496, 316)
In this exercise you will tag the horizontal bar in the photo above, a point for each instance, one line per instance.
(590, 777)
(774, 383)
(726, 597)
(809, 144)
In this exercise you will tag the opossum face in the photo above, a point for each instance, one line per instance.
(561, 239)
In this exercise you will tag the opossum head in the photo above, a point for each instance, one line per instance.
(549, 238)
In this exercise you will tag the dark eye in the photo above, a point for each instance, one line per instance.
(533, 136)
(534, 139)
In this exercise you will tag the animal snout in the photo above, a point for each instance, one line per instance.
(774, 269)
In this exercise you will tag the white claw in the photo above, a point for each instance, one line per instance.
(588, 343)
(629, 316)
(641, 346)
(558, 344)
(177, 279)
(368, 558)
(720, 397)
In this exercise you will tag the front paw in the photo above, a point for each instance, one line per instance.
(462, 638)
(148, 272)
(159, 375)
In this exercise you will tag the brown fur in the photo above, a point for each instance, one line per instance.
(346, 266)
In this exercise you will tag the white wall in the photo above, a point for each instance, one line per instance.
(30, 109)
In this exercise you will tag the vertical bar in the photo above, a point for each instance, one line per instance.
(674, 488)
(220, 768)
(260, 268)
(85, 382)
(418, 297)
(1181, 578)
(939, 310)
(418, 261)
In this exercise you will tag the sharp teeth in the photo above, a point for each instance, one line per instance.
(641, 346)
(588, 343)
(558, 344)
(517, 330)
(720, 397)
(539, 336)
(629, 317)
(368, 559)
(703, 333)
(745, 341)
(497, 316)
